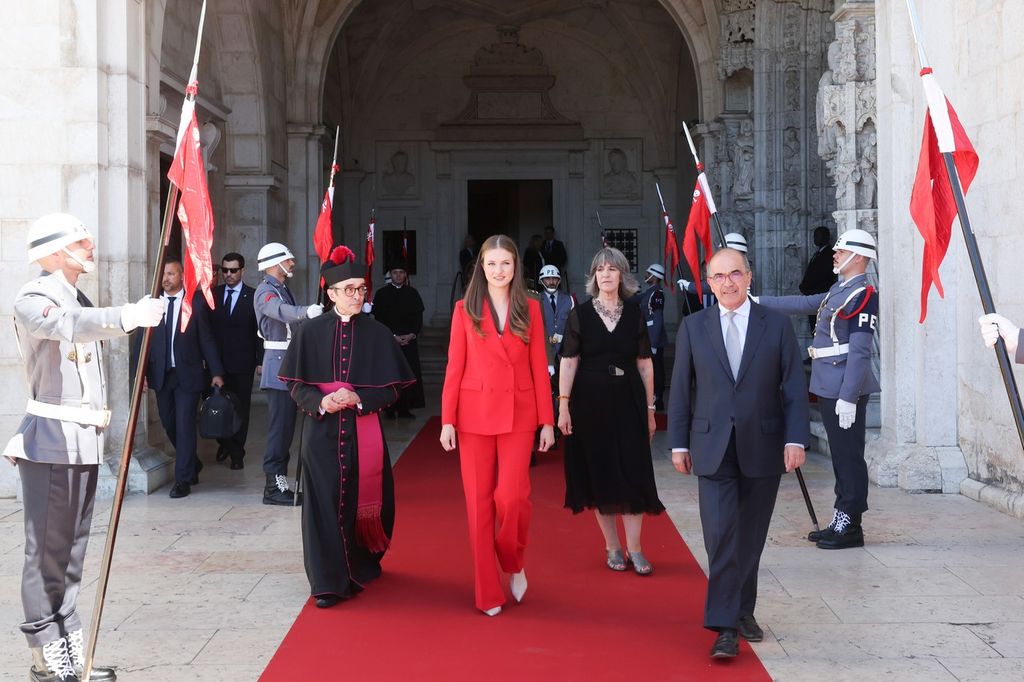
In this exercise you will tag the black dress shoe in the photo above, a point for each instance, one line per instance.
(816, 535)
(237, 463)
(406, 414)
(725, 645)
(180, 489)
(847, 533)
(326, 601)
(222, 453)
(749, 629)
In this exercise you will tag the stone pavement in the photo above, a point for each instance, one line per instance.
(205, 588)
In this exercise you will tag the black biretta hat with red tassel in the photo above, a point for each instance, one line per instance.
(341, 265)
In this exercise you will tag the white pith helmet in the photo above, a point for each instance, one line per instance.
(735, 240)
(53, 232)
(857, 241)
(656, 270)
(271, 254)
(549, 271)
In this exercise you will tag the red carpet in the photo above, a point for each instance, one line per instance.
(578, 621)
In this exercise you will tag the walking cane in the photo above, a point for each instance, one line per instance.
(807, 498)
(298, 464)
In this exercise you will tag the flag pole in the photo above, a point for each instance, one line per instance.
(980, 278)
(700, 169)
(133, 411)
(664, 213)
(604, 238)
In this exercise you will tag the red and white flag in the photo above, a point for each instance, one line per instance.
(371, 229)
(188, 173)
(405, 246)
(698, 225)
(931, 203)
(323, 234)
(671, 244)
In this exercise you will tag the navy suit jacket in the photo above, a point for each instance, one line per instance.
(237, 333)
(190, 350)
(766, 404)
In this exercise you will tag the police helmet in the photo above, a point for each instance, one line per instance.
(549, 271)
(655, 270)
(271, 254)
(53, 232)
(735, 240)
(857, 241)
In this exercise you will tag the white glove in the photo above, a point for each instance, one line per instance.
(683, 284)
(847, 413)
(993, 326)
(755, 299)
(148, 312)
(551, 370)
(556, 338)
(367, 308)
(314, 310)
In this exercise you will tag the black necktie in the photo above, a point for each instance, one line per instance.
(169, 331)
(227, 300)
(554, 306)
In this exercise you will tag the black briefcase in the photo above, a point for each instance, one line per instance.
(220, 415)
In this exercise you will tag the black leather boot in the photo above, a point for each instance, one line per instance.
(277, 491)
(846, 533)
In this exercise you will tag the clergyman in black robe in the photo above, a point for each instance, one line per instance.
(399, 307)
(342, 368)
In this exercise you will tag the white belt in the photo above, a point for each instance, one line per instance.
(831, 351)
(65, 413)
(275, 345)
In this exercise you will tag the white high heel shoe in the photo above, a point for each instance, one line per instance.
(493, 612)
(518, 585)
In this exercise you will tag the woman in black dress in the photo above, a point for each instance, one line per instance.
(606, 405)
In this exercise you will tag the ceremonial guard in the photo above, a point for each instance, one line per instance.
(652, 305)
(842, 377)
(59, 444)
(342, 369)
(276, 312)
(555, 304)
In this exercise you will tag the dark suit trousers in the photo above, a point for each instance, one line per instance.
(239, 383)
(178, 415)
(847, 448)
(658, 361)
(735, 511)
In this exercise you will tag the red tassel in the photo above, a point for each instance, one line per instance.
(370, 531)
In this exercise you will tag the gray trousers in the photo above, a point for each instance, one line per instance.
(58, 512)
(281, 410)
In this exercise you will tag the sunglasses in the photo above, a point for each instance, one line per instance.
(230, 270)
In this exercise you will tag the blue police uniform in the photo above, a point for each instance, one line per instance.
(652, 305)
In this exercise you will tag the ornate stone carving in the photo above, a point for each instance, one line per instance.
(619, 181)
(868, 169)
(397, 180)
(743, 160)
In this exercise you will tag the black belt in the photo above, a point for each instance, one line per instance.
(610, 370)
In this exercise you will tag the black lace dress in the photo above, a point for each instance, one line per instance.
(608, 456)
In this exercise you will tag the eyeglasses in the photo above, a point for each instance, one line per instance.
(231, 271)
(351, 291)
(735, 276)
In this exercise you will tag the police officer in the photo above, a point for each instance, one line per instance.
(275, 312)
(59, 443)
(733, 240)
(652, 305)
(555, 304)
(842, 377)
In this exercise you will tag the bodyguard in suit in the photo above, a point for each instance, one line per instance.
(819, 277)
(843, 378)
(652, 305)
(175, 371)
(276, 311)
(745, 424)
(553, 250)
(233, 321)
(59, 443)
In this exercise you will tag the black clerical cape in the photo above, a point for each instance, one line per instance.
(349, 509)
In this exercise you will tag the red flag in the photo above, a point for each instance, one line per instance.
(323, 235)
(370, 229)
(671, 245)
(405, 246)
(188, 173)
(698, 225)
(931, 202)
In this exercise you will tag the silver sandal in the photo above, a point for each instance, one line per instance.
(640, 563)
(616, 560)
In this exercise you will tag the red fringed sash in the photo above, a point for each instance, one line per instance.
(370, 451)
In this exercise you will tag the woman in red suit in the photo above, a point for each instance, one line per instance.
(496, 393)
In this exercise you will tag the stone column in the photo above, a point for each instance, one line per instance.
(918, 448)
(306, 186)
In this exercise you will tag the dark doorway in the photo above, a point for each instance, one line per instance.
(518, 208)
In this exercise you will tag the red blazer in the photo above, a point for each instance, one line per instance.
(496, 384)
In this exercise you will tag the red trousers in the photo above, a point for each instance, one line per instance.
(496, 480)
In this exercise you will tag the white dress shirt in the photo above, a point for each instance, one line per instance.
(234, 296)
(177, 315)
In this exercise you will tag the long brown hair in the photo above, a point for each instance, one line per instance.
(476, 292)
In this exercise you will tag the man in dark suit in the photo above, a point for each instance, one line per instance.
(819, 277)
(174, 369)
(745, 424)
(554, 252)
(233, 321)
